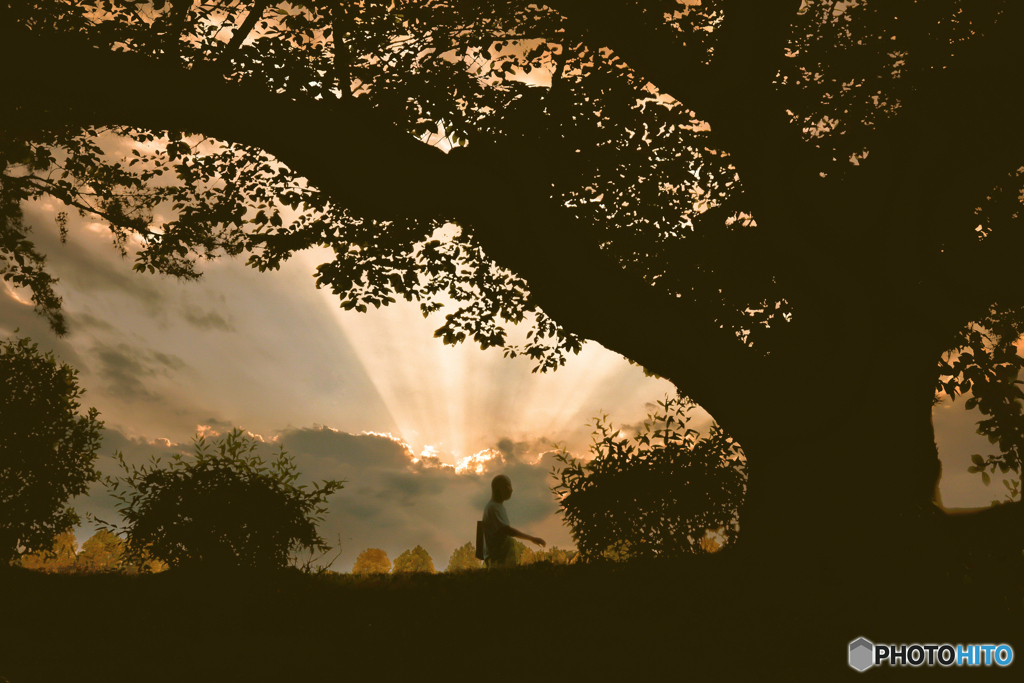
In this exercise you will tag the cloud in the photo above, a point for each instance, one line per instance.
(124, 367)
(205, 320)
(88, 263)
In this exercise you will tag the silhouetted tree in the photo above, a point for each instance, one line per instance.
(224, 507)
(58, 558)
(415, 560)
(47, 448)
(464, 558)
(769, 203)
(372, 561)
(656, 494)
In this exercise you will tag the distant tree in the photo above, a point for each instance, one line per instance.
(103, 552)
(372, 561)
(415, 560)
(463, 558)
(656, 494)
(554, 555)
(522, 554)
(47, 448)
(59, 558)
(224, 508)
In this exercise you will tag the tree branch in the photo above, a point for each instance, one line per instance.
(243, 31)
(380, 172)
(958, 137)
(176, 26)
(342, 56)
(736, 95)
(385, 173)
(734, 92)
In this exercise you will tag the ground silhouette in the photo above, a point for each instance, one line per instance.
(699, 618)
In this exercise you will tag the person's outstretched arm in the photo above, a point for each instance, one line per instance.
(516, 533)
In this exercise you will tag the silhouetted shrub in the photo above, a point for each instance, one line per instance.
(224, 508)
(47, 449)
(657, 494)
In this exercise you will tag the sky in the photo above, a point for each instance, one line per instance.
(416, 428)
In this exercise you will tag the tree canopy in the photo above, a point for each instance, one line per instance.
(463, 558)
(60, 557)
(103, 551)
(415, 560)
(47, 448)
(771, 204)
(372, 561)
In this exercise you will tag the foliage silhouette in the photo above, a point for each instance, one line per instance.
(656, 494)
(224, 507)
(464, 558)
(372, 561)
(780, 187)
(47, 448)
(415, 560)
(985, 362)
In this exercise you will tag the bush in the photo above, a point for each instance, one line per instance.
(47, 449)
(657, 494)
(226, 508)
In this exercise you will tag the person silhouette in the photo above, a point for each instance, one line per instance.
(497, 533)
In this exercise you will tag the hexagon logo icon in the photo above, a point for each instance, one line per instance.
(862, 654)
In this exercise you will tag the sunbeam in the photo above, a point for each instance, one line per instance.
(461, 400)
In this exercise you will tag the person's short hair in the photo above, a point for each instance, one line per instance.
(495, 483)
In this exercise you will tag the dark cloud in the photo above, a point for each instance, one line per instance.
(513, 451)
(20, 320)
(85, 321)
(206, 319)
(123, 368)
(368, 451)
(218, 425)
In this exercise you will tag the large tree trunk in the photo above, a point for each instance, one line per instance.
(841, 455)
